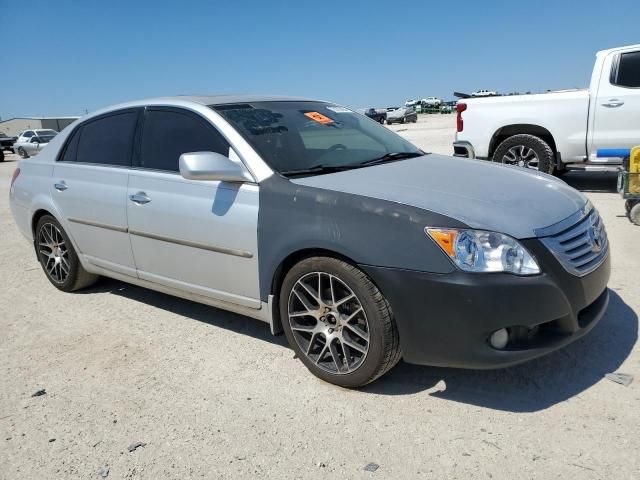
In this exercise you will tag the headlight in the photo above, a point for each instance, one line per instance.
(482, 251)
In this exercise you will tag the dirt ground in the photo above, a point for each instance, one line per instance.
(214, 395)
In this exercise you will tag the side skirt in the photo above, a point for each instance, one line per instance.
(264, 313)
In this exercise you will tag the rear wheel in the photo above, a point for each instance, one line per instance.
(338, 322)
(1, 155)
(58, 257)
(527, 151)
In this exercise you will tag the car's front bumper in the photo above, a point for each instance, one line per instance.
(447, 319)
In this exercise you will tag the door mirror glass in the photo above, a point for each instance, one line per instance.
(212, 166)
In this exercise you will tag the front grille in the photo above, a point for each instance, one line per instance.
(582, 247)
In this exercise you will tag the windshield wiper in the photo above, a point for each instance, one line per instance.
(391, 157)
(318, 169)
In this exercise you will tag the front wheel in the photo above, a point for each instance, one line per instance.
(58, 258)
(338, 322)
(527, 151)
(22, 152)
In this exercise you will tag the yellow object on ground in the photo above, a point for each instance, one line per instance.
(634, 168)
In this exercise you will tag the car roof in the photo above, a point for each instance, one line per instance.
(206, 100)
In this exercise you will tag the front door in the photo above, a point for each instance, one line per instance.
(617, 104)
(199, 236)
(89, 188)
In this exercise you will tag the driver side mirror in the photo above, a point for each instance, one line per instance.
(212, 166)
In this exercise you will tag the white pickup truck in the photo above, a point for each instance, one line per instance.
(556, 131)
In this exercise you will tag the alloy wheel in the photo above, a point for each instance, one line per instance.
(54, 253)
(522, 156)
(328, 322)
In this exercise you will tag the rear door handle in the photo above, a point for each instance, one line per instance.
(613, 103)
(140, 198)
(61, 186)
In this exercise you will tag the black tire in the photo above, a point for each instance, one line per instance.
(1, 155)
(402, 120)
(383, 339)
(76, 276)
(628, 205)
(546, 157)
(634, 214)
(389, 122)
(22, 152)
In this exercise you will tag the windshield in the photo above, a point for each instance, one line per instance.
(298, 136)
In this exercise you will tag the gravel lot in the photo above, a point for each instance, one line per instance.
(213, 395)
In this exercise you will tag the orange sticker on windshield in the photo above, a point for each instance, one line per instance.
(318, 117)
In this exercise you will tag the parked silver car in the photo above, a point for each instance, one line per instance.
(322, 223)
(31, 142)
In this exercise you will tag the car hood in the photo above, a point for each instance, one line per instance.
(481, 194)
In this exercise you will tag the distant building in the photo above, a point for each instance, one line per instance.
(14, 126)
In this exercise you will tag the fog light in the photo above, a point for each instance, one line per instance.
(499, 338)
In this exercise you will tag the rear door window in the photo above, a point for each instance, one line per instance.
(628, 74)
(108, 140)
(168, 133)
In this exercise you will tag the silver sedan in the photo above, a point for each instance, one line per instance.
(31, 142)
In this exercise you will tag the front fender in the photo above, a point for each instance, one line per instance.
(366, 230)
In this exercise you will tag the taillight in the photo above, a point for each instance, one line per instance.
(461, 107)
(16, 172)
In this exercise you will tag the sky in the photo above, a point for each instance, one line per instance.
(65, 57)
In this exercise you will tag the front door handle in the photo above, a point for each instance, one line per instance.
(613, 103)
(140, 198)
(61, 186)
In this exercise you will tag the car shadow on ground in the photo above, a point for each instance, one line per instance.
(186, 308)
(602, 182)
(530, 387)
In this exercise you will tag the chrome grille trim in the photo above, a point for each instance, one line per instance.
(581, 247)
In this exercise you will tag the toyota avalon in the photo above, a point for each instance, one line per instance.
(361, 247)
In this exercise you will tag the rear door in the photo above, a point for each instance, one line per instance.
(198, 236)
(617, 104)
(89, 188)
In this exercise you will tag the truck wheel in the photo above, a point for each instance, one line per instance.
(527, 151)
(1, 156)
(634, 214)
(338, 322)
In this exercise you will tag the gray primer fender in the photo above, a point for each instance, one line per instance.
(367, 230)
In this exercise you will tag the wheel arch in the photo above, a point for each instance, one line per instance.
(521, 128)
(35, 218)
(297, 256)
